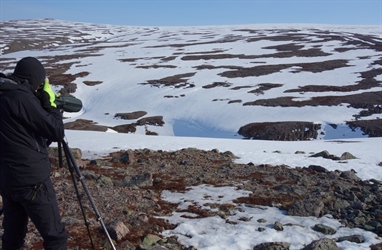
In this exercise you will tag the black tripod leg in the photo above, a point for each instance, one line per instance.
(79, 198)
(59, 149)
(70, 158)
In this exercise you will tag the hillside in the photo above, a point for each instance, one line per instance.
(274, 82)
(129, 186)
(305, 93)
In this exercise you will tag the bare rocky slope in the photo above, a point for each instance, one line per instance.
(126, 188)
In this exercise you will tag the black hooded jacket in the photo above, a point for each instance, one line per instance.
(24, 129)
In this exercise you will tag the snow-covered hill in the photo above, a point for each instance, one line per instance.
(209, 81)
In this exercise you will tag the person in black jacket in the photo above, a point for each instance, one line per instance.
(29, 120)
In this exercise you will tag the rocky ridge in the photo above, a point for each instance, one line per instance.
(126, 187)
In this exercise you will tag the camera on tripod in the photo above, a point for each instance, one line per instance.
(68, 103)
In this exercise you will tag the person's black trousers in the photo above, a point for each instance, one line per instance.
(40, 205)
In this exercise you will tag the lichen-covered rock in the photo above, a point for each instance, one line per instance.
(273, 246)
(306, 207)
(117, 230)
(322, 244)
(324, 229)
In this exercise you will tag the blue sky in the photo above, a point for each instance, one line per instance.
(197, 12)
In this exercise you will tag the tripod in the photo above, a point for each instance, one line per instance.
(74, 168)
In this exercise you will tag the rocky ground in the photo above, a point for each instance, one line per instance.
(126, 188)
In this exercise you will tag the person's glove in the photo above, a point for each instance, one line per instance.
(48, 89)
(46, 95)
